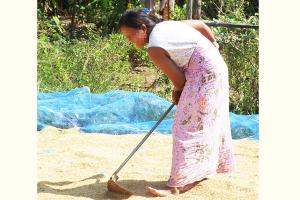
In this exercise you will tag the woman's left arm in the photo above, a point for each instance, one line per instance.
(203, 29)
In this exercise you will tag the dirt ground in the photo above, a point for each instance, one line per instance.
(74, 165)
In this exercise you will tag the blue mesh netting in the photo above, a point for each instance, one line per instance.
(119, 112)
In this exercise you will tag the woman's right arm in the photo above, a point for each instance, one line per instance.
(162, 60)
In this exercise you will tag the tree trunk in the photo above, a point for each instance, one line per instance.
(163, 3)
(197, 9)
(193, 9)
(220, 11)
(165, 9)
(189, 9)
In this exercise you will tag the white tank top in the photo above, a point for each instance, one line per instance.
(177, 38)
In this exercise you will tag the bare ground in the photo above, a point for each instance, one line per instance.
(74, 165)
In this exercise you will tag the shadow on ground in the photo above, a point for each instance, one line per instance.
(98, 189)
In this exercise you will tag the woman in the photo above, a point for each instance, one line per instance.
(187, 53)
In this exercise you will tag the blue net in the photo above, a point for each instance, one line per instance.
(119, 112)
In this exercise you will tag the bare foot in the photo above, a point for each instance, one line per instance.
(172, 191)
(163, 193)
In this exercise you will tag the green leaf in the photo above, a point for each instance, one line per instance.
(58, 24)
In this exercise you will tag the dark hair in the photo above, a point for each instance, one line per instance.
(136, 17)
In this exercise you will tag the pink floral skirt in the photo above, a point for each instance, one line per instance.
(202, 143)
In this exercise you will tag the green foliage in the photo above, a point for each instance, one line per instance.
(58, 24)
(138, 57)
(101, 64)
(179, 13)
(50, 26)
(103, 13)
(211, 9)
(239, 48)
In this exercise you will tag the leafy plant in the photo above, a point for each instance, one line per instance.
(70, 64)
(239, 48)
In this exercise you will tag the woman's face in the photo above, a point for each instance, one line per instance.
(137, 36)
